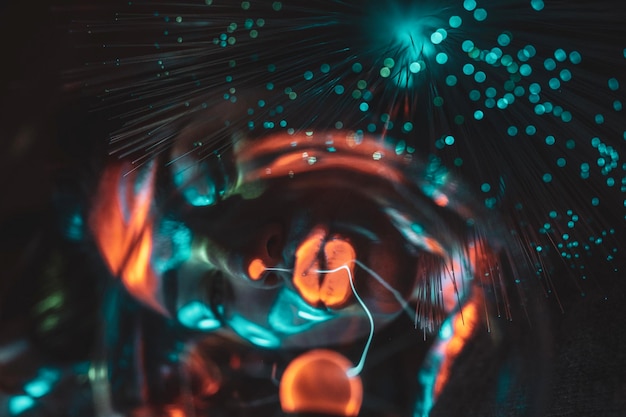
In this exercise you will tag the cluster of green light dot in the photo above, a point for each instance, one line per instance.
(569, 247)
(229, 37)
(516, 63)
(518, 70)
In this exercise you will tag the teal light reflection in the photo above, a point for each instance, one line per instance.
(178, 248)
(19, 404)
(198, 189)
(290, 314)
(253, 333)
(196, 315)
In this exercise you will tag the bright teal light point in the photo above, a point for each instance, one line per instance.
(530, 51)
(566, 116)
(565, 75)
(504, 39)
(554, 83)
(469, 5)
(537, 5)
(512, 131)
(436, 38)
(525, 70)
(400, 147)
(455, 22)
(480, 14)
(557, 111)
(451, 80)
(467, 45)
(617, 105)
(560, 55)
(468, 69)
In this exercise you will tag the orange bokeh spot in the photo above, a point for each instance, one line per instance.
(317, 382)
(256, 269)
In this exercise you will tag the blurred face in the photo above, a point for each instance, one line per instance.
(297, 240)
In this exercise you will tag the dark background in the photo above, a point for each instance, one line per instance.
(51, 145)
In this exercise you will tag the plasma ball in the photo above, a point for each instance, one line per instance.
(318, 382)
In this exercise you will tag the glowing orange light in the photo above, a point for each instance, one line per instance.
(305, 276)
(256, 269)
(463, 326)
(332, 288)
(336, 289)
(123, 231)
(442, 200)
(174, 411)
(357, 158)
(317, 382)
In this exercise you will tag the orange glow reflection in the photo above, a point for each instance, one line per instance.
(317, 382)
(305, 275)
(256, 269)
(336, 289)
(123, 230)
(463, 325)
(331, 288)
